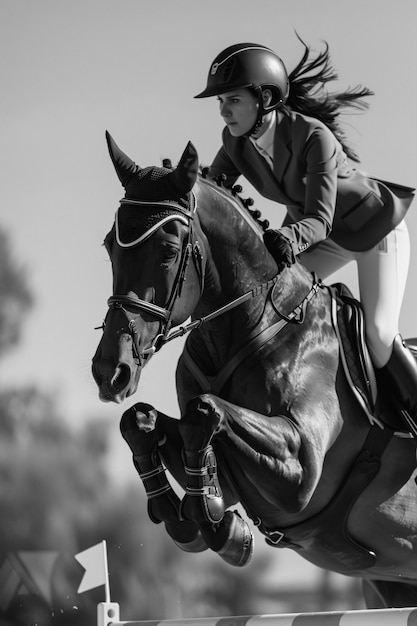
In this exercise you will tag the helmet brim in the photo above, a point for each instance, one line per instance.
(217, 91)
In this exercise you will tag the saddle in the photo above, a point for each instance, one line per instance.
(349, 325)
(329, 527)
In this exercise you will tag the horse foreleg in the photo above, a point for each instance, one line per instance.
(138, 428)
(203, 501)
(225, 532)
(270, 464)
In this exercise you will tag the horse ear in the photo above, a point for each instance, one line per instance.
(124, 166)
(183, 178)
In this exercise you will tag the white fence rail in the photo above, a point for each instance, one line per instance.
(108, 614)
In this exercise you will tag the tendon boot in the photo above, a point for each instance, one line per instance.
(399, 382)
(203, 501)
(163, 502)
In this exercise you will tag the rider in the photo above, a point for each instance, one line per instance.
(282, 134)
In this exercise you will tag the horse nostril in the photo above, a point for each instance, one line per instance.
(121, 378)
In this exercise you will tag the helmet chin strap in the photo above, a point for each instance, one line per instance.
(257, 126)
(261, 112)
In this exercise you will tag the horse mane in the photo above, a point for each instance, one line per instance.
(308, 94)
(235, 192)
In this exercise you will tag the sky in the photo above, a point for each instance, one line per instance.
(72, 69)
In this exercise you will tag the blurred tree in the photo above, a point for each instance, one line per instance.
(52, 482)
(56, 495)
(16, 298)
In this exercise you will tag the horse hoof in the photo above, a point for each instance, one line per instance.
(197, 545)
(238, 548)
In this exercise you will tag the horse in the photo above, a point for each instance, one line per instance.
(272, 419)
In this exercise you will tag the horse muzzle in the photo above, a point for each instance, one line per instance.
(117, 378)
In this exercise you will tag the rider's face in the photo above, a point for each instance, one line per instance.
(239, 110)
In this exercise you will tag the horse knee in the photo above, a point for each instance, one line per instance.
(203, 406)
(138, 428)
(200, 422)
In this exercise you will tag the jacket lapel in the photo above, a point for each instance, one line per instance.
(255, 168)
(282, 143)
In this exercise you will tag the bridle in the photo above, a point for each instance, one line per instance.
(132, 305)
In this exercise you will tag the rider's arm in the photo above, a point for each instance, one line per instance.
(223, 166)
(312, 220)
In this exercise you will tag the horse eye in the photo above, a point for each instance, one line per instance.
(170, 255)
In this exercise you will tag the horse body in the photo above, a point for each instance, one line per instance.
(267, 418)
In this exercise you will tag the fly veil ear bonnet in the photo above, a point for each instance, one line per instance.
(168, 191)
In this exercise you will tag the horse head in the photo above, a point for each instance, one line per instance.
(157, 268)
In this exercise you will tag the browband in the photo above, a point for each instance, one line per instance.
(183, 215)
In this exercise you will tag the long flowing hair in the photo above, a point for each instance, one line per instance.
(308, 94)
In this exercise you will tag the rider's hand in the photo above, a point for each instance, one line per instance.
(280, 248)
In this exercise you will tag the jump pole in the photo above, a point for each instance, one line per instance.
(374, 617)
(94, 561)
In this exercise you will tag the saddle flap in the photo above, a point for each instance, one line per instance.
(412, 346)
(348, 321)
(349, 325)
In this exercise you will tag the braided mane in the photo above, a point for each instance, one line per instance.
(235, 191)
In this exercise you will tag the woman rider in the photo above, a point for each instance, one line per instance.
(282, 134)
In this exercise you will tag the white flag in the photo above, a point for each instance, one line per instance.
(94, 561)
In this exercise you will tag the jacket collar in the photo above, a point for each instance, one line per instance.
(254, 167)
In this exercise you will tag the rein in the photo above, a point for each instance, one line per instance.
(167, 335)
(253, 342)
(256, 291)
(131, 305)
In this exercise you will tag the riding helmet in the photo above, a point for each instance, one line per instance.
(248, 65)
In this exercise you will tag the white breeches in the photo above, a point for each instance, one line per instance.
(382, 276)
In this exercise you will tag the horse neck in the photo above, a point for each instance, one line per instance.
(292, 286)
(236, 258)
(236, 261)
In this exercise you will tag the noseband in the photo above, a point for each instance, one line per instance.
(132, 305)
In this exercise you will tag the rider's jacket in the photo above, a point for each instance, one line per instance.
(311, 176)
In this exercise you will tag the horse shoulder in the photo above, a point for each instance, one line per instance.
(306, 392)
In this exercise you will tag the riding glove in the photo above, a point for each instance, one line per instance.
(280, 248)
